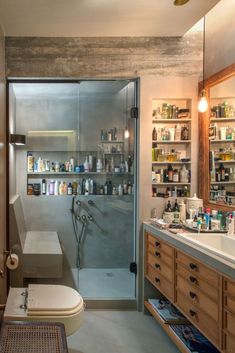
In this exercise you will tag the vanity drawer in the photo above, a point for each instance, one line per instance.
(229, 343)
(159, 254)
(229, 287)
(198, 268)
(206, 324)
(160, 245)
(229, 303)
(196, 281)
(198, 298)
(160, 282)
(229, 322)
(160, 267)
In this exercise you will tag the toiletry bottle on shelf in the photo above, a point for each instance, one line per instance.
(168, 214)
(170, 173)
(154, 134)
(176, 211)
(52, 187)
(182, 208)
(86, 165)
(74, 186)
(99, 166)
(87, 187)
(177, 132)
(61, 189)
(30, 162)
(56, 188)
(44, 191)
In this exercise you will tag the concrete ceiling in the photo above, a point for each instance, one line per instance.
(94, 18)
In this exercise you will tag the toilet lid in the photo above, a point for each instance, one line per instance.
(56, 299)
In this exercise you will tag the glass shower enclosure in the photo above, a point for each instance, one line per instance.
(77, 175)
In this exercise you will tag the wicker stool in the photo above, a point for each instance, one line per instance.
(32, 337)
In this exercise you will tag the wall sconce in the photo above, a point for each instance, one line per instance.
(17, 140)
(203, 104)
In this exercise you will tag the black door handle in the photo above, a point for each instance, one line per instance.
(192, 295)
(157, 244)
(157, 254)
(193, 279)
(158, 266)
(192, 312)
(157, 279)
(193, 266)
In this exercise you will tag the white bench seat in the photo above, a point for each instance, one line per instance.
(40, 252)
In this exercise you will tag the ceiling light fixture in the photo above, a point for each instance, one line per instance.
(203, 104)
(180, 2)
(17, 140)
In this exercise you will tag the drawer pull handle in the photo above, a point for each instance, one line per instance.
(157, 244)
(158, 266)
(157, 254)
(193, 266)
(193, 279)
(192, 295)
(192, 312)
(157, 279)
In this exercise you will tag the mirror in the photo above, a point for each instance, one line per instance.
(217, 142)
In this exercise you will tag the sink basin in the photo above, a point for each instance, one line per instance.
(215, 243)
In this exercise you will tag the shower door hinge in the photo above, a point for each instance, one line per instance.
(133, 267)
(134, 113)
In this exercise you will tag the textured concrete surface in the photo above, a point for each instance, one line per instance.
(120, 332)
(2, 164)
(104, 57)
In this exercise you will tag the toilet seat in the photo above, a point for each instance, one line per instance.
(53, 300)
(48, 303)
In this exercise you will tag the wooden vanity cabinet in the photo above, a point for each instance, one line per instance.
(159, 265)
(205, 296)
(228, 315)
(197, 295)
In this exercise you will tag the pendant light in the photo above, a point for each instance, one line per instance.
(203, 104)
(180, 2)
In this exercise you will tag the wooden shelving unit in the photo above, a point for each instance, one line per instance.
(166, 328)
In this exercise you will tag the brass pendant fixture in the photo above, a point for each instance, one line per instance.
(180, 2)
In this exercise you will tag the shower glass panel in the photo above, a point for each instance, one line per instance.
(76, 175)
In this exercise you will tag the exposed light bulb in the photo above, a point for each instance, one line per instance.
(202, 104)
(126, 133)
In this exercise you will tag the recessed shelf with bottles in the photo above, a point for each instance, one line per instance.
(106, 171)
(171, 146)
(222, 150)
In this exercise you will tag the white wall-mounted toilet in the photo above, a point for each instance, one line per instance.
(46, 303)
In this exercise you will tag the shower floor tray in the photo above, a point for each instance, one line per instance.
(110, 283)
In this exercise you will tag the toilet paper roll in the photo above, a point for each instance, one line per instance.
(12, 261)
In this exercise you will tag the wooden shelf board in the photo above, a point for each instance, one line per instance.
(213, 120)
(157, 121)
(160, 184)
(178, 162)
(171, 142)
(221, 141)
(166, 328)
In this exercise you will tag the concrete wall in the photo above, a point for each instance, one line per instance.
(220, 45)
(2, 164)
(103, 57)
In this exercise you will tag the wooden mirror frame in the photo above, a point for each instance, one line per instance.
(204, 121)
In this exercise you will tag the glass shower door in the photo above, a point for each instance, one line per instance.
(108, 240)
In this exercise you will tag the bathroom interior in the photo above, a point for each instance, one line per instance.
(118, 187)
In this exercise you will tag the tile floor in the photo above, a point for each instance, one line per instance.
(106, 331)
